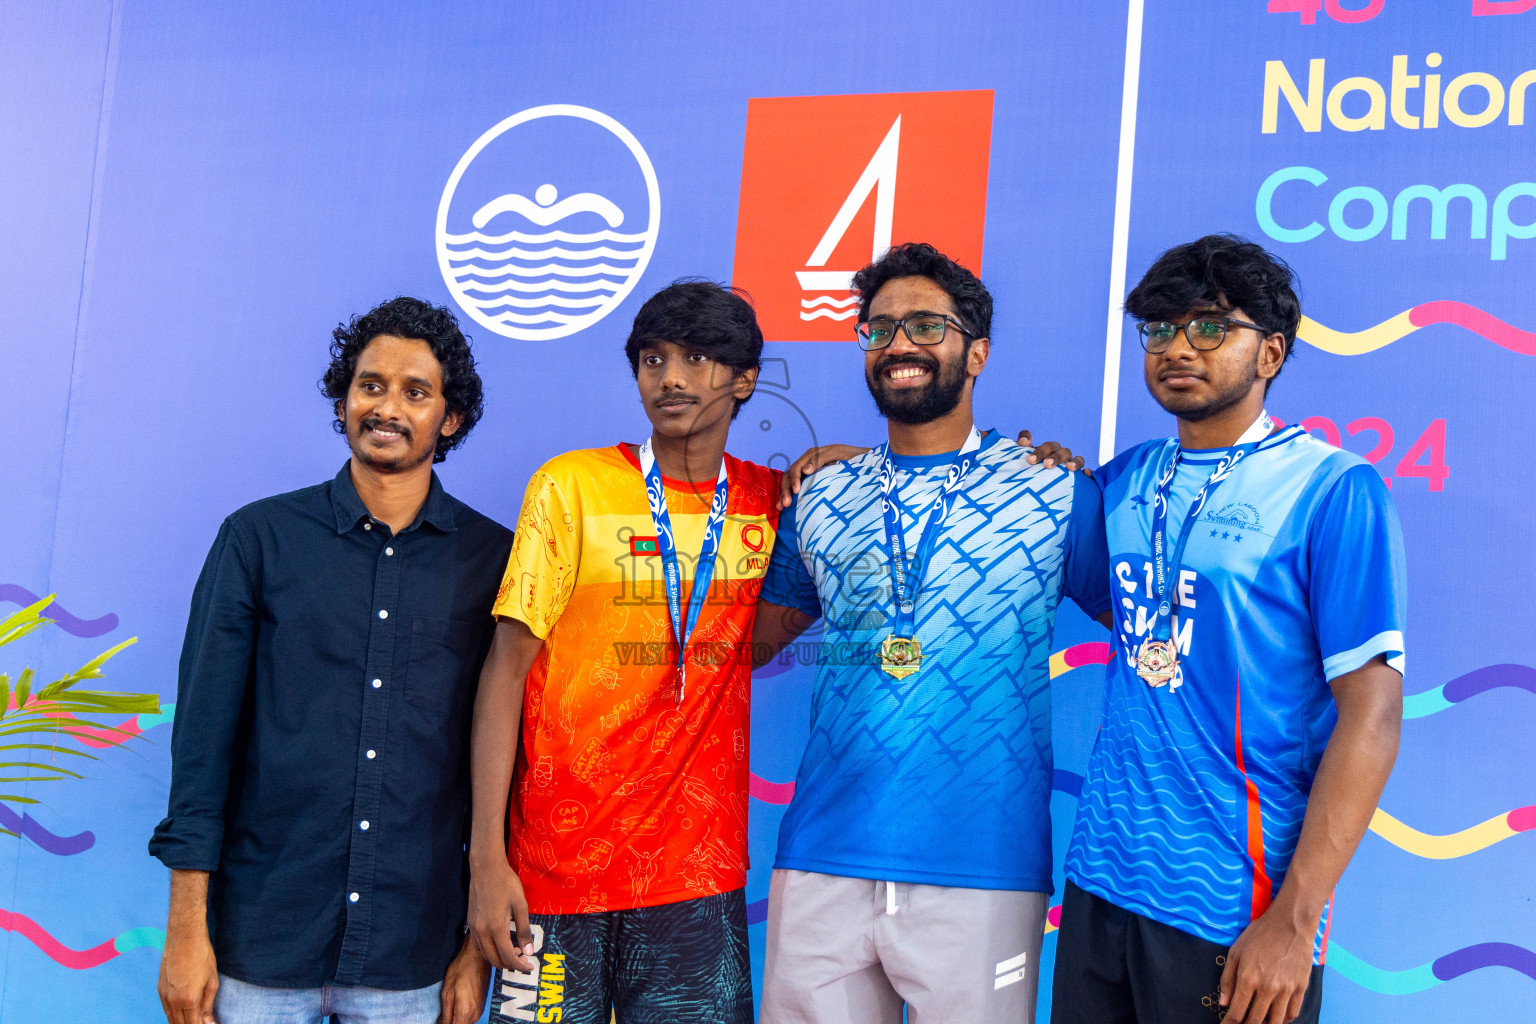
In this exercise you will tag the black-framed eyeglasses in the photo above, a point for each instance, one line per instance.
(1204, 332)
(922, 329)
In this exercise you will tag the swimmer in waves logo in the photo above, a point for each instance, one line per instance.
(548, 222)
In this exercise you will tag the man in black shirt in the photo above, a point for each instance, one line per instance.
(320, 773)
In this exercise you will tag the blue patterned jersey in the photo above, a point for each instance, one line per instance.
(943, 777)
(1293, 576)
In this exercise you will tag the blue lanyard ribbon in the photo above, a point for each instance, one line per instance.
(1165, 568)
(672, 575)
(903, 587)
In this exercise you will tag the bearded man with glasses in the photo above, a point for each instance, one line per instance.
(914, 861)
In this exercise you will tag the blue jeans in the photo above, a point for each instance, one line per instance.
(238, 1002)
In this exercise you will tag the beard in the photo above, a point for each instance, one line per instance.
(1187, 408)
(410, 458)
(912, 406)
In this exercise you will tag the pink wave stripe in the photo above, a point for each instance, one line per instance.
(760, 788)
(76, 959)
(1094, 653)
(1522, 819)
(100, 738)
(1446, 311)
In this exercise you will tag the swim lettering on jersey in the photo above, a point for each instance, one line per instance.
(1293, 576)
(942, 777)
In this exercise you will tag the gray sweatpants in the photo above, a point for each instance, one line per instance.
(853, 951)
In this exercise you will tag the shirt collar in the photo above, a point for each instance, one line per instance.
(350, 510)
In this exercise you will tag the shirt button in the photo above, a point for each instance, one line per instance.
(389, 551)
(352, 897)
(363, 826)
(383, 614)
(366, 526)
(371, 755)
(376, 684)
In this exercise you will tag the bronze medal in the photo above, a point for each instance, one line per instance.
(1157, 662)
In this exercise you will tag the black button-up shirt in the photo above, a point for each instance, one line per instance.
(320, 757)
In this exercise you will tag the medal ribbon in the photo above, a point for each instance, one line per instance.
(903, 587)
(1164, 568)
(704, 568)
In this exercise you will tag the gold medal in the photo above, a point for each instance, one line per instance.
(1157, 662)
(900, 656)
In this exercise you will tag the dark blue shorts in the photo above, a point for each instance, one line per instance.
(1114, 966)
(678, 963)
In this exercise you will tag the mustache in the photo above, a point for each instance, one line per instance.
(923, 362)
(378, 423)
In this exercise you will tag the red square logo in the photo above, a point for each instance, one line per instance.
(828, 183)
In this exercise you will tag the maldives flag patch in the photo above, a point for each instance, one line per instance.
(644, 546)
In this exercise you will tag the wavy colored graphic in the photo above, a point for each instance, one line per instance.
(80, 959)
(1053, 919)
(757, 911)
(1347, 343)
(1445, 968)
(1446, 695)
(760, 788)
(68, 623)
(1066, 782)
(26, 826)
(1458, 844)
(1077, 656)
(93, 736)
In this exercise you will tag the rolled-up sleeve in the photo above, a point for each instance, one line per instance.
(215, 670)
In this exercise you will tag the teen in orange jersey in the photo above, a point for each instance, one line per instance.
(613, 878)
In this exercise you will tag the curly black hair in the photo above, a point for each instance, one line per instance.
(1221, 272)
(405, 317)
(701, 315)
(973, 303)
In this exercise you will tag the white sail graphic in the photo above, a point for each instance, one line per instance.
(879, 177)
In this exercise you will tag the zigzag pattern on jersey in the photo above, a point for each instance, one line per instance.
(952, 734)
(966, 610)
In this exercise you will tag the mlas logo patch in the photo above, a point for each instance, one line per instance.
(830, 182)
(548, 222)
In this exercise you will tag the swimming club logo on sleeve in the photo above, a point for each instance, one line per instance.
(828, 183)
(547, 222)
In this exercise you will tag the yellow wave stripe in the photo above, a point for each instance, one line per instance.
(1344, 343)
(1059, 664)
(1457, 844)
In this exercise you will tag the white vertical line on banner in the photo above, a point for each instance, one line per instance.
(1115, 330)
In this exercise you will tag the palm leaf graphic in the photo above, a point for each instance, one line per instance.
(34, 719)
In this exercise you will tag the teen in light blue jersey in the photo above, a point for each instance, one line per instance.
(1237, 766)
